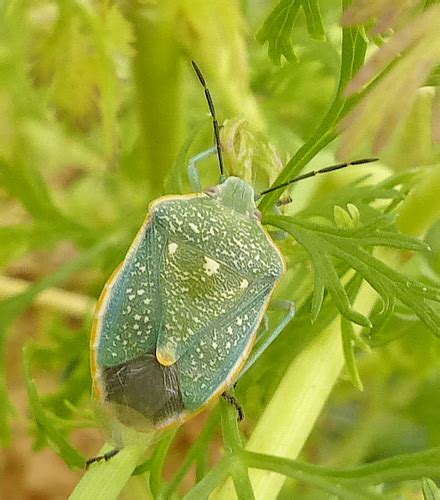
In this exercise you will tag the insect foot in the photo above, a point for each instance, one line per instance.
(232, 400)
(107, 456)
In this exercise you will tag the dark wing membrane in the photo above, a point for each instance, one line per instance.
(132, 312)
(143, 392)
(207, 364)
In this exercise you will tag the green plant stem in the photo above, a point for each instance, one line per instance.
(157, 73)
(304, 154)
(352, 58)
(296, 470)
(293, 410)
(233, 445)
(231, 434)
(198, 447)
(158, 461)
(208, 484)
(105, 481)
(395, 469)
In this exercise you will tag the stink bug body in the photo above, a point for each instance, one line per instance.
(176, 322)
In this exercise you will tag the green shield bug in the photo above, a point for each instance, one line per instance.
(176, 322)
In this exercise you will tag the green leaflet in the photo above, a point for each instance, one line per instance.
(48, 422)
(12, 307)
(277, 28)
(351, 246)
(352, 58)
(349, 341)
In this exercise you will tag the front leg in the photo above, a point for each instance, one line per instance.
(193, 173)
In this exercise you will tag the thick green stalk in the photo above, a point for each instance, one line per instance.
(297, 403)
(157, 76)
(291, 414)
(105, 481)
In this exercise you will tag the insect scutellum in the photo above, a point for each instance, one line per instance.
(236, 192)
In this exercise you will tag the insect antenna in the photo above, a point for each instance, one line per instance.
(312, 173)
(214, 120)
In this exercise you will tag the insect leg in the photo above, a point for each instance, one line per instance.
(280, 235)
(232, 400)
(268, 336)
(264, 327)
(106, 456)
(284, 201)
(193, 173)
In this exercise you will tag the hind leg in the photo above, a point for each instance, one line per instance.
(268, 336)
(232, 400)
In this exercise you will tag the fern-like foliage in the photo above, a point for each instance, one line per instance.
(277, 28)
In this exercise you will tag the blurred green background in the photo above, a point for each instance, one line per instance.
(100, 111)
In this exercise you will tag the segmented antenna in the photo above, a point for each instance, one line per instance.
(331, 168)
(214, 120)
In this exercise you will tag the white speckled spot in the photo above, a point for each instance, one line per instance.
(210, 266)
(172, 247)
(244, 284)
(194, 227)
